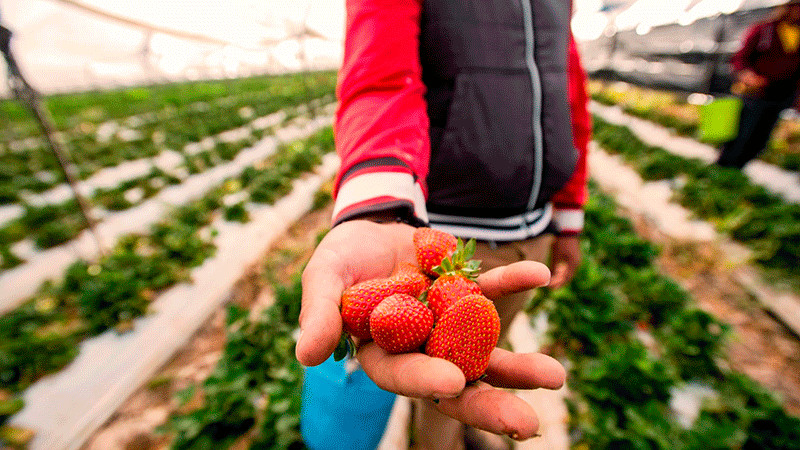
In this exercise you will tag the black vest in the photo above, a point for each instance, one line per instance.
(496, 78)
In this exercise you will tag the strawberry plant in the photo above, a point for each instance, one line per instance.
(707, 192)
(35, 169)
(35, 339)
(621, 383)
(672, 111)
(118, 289)
(8, 260)
(253, 395)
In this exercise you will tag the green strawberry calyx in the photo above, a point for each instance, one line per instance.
(460, 262)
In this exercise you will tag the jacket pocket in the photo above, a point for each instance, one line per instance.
(483, 156)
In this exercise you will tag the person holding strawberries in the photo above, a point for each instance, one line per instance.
(470, 118)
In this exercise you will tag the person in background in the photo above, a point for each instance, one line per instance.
(454, 115)
(766, 72)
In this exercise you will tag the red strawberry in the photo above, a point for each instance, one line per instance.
(432, 246)
(447, 289)
(359, 300)
(412, 276)
(401, 323)
(466, 334)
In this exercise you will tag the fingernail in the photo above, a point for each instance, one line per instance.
(441, 395)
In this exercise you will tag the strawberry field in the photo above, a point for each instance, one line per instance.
(170, 323)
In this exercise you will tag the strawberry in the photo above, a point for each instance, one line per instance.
(447, 289)
(457, 274)
(466, 334)
(400, 323)
(432, 246)
(359, 300)
(412, 276)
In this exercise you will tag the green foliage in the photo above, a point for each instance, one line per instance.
(255, 389)
(237, 213)
(185, 112)
(8, 259)
(725, 196)
(632, 335)
(693, 341)
(290, 161)
(746, 416)
(112, 293)
(35, 339)
(9, 405)
(322, 198)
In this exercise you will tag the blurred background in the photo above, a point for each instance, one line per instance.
(166, 170)
(77, 45)
(684, 45)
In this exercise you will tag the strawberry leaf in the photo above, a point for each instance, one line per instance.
(461, 261)
(469, 249)
(345, 348)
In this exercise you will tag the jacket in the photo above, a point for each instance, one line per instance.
(763, 53)
(458, 116)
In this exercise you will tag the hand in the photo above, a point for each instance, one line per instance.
(360, 250)
(751, 79)
(565, 257)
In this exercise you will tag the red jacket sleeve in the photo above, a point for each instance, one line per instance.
(742, 58)
(381, 127)
(568, 202)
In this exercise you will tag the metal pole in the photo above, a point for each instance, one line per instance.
(28, 96)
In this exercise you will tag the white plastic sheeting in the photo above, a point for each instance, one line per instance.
(67, 45)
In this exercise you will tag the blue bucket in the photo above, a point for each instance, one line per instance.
(342, 410)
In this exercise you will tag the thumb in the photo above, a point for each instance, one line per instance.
(320, 320)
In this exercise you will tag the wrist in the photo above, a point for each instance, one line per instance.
(392, 215)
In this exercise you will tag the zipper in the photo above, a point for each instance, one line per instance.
(536, 90)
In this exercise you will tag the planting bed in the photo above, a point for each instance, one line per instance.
(671, 110)
(756, 208)
(124, 164)
(151, 250)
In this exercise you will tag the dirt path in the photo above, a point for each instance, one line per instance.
(760, 346)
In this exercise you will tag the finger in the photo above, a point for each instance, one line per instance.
(494, 410)
(559, 275)
(572, 267)
(411, 374)
(320, 320)
(524, 370)
(516, 277)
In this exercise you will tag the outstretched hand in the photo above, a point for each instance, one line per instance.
(360, 250)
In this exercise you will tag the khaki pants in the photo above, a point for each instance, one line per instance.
(432, 429)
